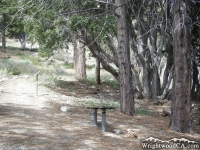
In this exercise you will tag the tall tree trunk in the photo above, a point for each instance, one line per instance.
(3, 32)
(75, 55)
(80, 64)
(145, 80)
(135, 62)
(181, 115)
(125, 74)
(144, 57)
(155, 85)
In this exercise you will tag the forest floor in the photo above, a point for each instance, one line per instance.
(36, 122)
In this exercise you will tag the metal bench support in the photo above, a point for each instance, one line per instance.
(95, 116)
(103, 108)
(103, 126)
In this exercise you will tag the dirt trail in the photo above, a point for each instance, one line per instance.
(30, 122)
(19, 90)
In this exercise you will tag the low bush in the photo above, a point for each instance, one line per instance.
(17, 67)
(104, 81)
(14, 71)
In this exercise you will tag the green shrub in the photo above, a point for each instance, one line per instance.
(113, 83)
(17, 67)
(89, 67)
(90, 81)
(68, 65)
(104, 81)
(98, 102)
(46, 79)
(142, 111)
(29, 49)
(60, 83)
(60, 56)
(12, 48)
(34, 60)
(14, 71)
(22, 55)
(45, 53)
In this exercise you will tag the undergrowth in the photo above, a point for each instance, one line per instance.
(142, 111)
(12, 67)
(34, 60)
(105, 81)
(97, 102)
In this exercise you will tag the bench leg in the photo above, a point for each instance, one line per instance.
(103, 126)
(95, 116)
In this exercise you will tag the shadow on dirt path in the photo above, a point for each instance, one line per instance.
(30, 122)
(25, 128)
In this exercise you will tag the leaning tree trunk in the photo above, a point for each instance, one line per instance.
(125, 74)
(97, 52)
(169, 63)
(166, 89)
(181, 115)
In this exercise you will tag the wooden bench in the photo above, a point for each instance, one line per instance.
(103, 108)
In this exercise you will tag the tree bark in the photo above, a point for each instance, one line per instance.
(181, 115)
(97, 71)
(125, 73)
(198, 92)
(75, 53)
(144, 57)
(137, 84)
(195, 81)
(3, 32)
(165, 91)
(145, 81)
(23, 40)
(155, 85)
(168, 66)
(80, 70)
(165, 75)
